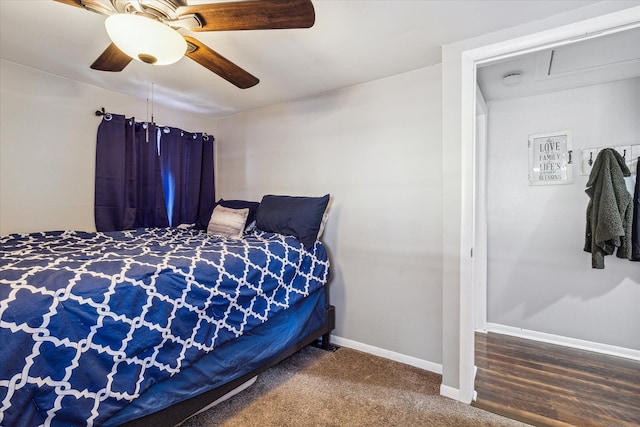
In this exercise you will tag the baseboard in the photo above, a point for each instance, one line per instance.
(388, 354)
(475, 374)
(450, 392)
(565, 341)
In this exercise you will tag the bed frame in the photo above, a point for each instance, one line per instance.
(177, 413)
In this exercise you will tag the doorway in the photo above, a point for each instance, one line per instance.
(539, 280)
(459, 84)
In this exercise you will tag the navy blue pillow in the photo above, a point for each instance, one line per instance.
(292, 215)
(203, 221)
(242, 204)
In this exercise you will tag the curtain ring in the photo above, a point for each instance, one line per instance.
(107, 117)
(166, 129)
(205, 137)
(194, 136)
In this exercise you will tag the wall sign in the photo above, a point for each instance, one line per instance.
(550, 158)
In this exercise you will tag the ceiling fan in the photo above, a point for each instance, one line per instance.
(177, 14)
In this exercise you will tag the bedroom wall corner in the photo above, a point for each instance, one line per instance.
(376, 148)
(47, 183)
(540, 277)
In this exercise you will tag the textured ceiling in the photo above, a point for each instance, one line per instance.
(351, 42)
(593, 61)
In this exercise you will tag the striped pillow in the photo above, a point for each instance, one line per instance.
(227, 222)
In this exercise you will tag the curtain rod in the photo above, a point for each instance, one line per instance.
(205, 136)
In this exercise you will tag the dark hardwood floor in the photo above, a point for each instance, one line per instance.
(549, 385)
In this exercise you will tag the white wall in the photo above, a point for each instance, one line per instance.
(47, 146)
(540, 279)
(376, 148)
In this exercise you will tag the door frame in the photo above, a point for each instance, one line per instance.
(461, 193)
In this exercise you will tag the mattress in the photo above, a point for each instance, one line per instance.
(93, 321)
(233, 359)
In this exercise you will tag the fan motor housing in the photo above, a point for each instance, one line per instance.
(163, 10)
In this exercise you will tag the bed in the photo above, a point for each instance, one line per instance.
(148, 326)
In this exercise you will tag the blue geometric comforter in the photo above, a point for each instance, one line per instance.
(89, 321)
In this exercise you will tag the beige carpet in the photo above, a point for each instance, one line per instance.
(344, 388)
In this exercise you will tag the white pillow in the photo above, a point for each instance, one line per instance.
(227, 222)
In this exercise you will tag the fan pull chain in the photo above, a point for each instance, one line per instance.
(147, 115)
(152, 119)
(149, 83)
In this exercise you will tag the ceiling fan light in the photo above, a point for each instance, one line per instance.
(145, 39)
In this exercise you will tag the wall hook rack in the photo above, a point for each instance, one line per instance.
(630, 152)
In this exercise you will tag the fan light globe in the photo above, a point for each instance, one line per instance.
(146, 39)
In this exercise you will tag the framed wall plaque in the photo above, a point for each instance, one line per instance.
(550, 158)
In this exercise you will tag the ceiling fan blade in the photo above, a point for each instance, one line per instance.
(112, 59)
(90, 5)
(220, 65)
(252, 15)
(77, 3)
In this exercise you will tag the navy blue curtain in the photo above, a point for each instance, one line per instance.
(187, 175)
(152, 177)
